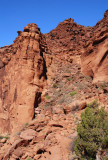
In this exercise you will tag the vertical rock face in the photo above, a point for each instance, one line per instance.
(22, 77)
(94, 61)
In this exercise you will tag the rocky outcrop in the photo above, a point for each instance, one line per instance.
(22, 78)
(68, 41)
(94, 61)
(67, 38)
(34, 58)
(52, 133)
(43, 91)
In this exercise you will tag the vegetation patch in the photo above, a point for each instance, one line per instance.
(73, 93)
(54, 85)
(92, 132)
(47, 96)
(6, 137)
(68, 78)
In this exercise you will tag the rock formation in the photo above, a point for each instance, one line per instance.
(46, 81)
(67, 38)
(95, 57)
(22, 77)
(71, 40)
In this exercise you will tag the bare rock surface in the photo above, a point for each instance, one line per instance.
(22, 80)
(95, 58)
(28, 134)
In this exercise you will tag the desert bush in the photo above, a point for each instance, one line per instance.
(54, 85)
(92, 132)
(47, 96)
(68, 78)
(73, 93)
(6, 137)
(93, 104)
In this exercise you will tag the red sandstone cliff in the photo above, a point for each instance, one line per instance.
(43, 91)
(23, 65)
(22, 75)
(69, 39)
(95, 57)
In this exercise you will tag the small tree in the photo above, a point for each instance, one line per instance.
(92, 132)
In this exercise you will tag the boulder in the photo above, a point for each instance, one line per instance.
(28, 134)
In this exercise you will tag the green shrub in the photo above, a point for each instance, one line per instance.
(54, 85)
(92, 132)
(6, 137)
(73, 93)
(68, 78)
(47, 96)
(93, 104)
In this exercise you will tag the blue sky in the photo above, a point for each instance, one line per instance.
(15, 14)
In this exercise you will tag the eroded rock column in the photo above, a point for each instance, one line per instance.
(21, 79)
